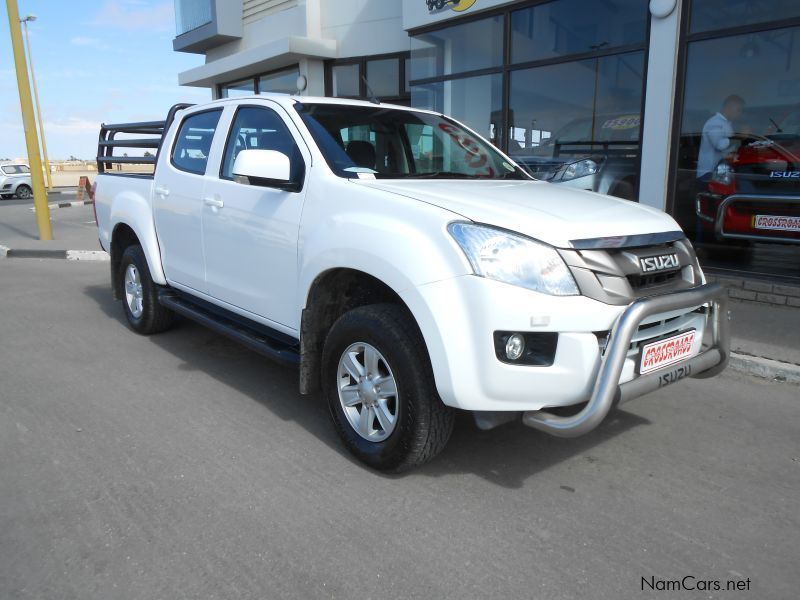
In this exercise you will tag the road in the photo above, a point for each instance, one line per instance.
(73, 228)
(183, 466)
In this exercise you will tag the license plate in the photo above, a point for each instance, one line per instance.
(776, 223)
(663, 353)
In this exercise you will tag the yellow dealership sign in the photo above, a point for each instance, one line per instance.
(463, 5)
(456, 5)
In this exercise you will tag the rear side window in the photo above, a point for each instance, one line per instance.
(15, 170)
(193, 143)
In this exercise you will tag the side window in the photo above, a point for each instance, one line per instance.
(260, 128)
(190, 152)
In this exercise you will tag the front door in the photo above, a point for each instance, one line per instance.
(250, 232)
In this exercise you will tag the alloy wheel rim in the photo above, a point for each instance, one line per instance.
(133, 291)
(368, 392)
(24, 192)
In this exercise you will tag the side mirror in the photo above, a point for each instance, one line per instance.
(266, 168)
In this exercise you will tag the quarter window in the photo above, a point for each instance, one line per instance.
(193, 143)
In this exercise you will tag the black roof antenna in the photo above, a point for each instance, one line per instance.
(372, 97)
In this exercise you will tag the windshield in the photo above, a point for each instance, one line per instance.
(387, 143)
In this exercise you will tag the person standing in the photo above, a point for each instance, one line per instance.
(716, 141)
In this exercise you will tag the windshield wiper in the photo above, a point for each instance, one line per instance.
(446, 175)
(777, 127)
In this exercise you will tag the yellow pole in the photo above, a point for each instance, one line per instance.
(38, 109)
(28, 124)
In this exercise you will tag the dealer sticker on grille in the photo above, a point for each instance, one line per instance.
(667, 352)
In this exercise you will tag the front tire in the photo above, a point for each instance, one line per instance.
(23, 192)
(378, 382)
(139, 294)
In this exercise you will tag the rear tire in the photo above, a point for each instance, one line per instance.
(139, 294)
(413, 425)
(23, 192)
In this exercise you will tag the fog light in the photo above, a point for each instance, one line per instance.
(515, 346)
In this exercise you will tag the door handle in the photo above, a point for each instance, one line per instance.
(213, 202)
(162, 191)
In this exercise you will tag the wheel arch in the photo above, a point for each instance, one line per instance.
(122, 237)
(331, 294)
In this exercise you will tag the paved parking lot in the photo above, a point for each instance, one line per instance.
(183, 466)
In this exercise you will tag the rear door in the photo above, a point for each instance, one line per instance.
(250, 232)
(178, 199)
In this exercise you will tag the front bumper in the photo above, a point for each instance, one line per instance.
(725, 216)
(607, 390)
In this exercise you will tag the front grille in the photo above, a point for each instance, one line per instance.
(615, 275)
(640, 282)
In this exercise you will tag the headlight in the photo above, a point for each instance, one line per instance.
(582, 168)
(723, 174)
(503, 256)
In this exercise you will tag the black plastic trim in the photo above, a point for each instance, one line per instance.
(540, 348)
(627, 241)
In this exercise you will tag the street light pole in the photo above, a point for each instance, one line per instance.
(29, 125)
(36, 102)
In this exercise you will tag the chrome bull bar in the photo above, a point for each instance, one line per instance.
(607, 389)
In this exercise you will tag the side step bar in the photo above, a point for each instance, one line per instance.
(266, 345)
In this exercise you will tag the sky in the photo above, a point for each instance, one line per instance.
(96, 61)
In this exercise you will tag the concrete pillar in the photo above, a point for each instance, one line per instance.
(658, 110)
(314, 71)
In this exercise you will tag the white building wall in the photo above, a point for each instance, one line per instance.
(252, 10)
(364, 27)
(286, 19)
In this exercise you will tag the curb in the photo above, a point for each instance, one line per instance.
(65, 204)
(76, 255)
(764, 368)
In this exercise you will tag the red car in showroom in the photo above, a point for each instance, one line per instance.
(754, 194)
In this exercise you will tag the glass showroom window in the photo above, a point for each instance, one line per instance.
(737, 176)
(475, 101)
(708, 15)
(591, 141)
(576, 26)
(573, 81)
(458, 49)
(284, 82)
(246, 87)
(385, 76)
(345, 80)
(191, 14)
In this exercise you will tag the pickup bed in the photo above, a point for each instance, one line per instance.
(408, 268)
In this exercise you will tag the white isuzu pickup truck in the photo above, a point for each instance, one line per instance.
(406, 265)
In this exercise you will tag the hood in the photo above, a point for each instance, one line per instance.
(544, 211)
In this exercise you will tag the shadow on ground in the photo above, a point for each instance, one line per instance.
(505, 456)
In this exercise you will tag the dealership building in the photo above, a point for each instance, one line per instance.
(690, 106)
